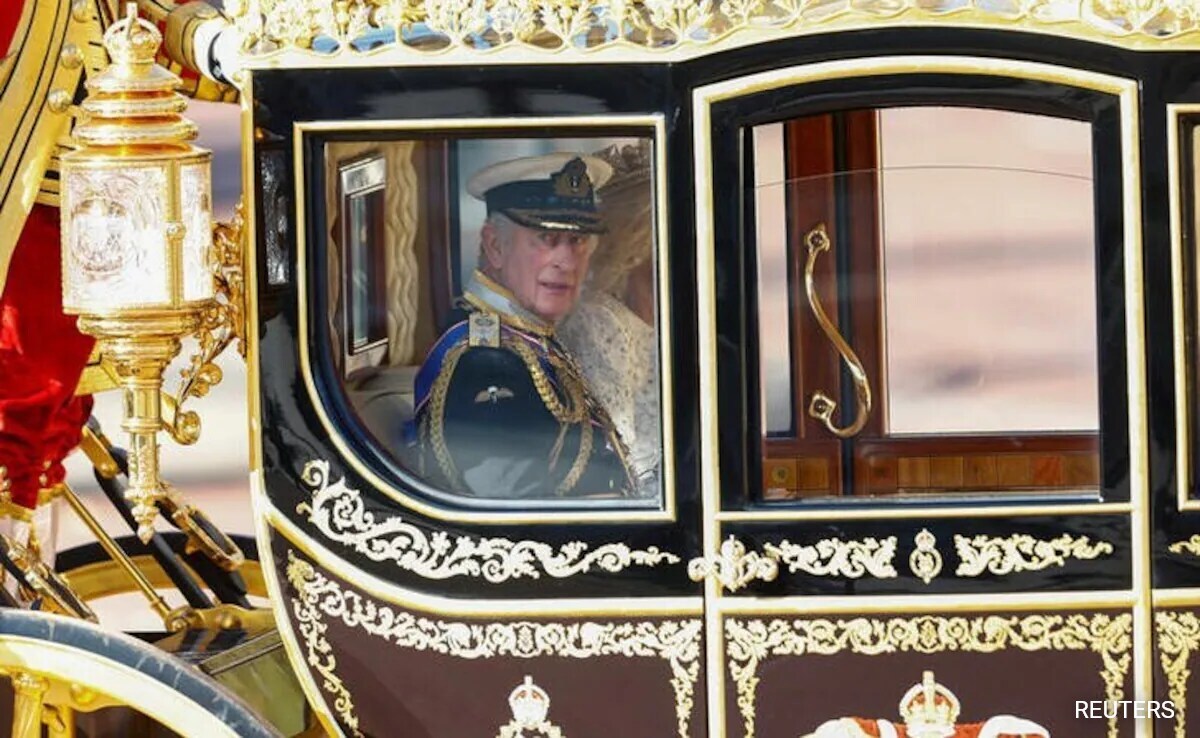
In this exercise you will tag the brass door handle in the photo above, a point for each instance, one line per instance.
(822, 405)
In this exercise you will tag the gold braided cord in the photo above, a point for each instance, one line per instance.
(434, 426)
(581, 461)
(575, 410)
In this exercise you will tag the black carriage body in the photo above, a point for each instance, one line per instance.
(764, 655)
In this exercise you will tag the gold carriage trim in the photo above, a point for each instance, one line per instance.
(648, 29)
(1177, 638)
(734, 567)
(925, 561)
(751, 642)
(833, 557)
(1191, 546)
(317, 597)
(341, 515)
(1022, 552)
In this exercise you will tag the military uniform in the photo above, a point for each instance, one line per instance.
(502, 409)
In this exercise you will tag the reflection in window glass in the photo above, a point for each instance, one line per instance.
(513, 283)
(775, 348)
(990, 276)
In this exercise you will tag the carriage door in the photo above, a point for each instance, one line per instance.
(923, 470)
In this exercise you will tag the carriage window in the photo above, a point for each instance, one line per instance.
(931, 323)
(492, 312)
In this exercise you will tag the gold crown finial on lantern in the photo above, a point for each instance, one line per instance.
(132, 40)
(929, 709)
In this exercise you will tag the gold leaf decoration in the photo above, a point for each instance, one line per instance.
(341, 515)
(1191, 546)
(733, 566)
(833, 557)
(925, 561)
(1022, 552)
(749, 643)
(657, 26)
(1178, 637)
(318, 598)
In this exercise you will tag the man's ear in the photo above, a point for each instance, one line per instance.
(489, 240)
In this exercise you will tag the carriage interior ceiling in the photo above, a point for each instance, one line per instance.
(777, 368)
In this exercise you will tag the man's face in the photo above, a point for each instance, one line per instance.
(543, 269)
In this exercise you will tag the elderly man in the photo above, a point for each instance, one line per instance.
(503, 411)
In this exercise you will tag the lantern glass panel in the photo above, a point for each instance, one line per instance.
(116, 253)
(196, 205)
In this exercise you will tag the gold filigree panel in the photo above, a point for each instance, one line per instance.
(341, 515)
(735, 567)
(1178, 637)
(581, 26)
(751, 642)
(319, 599)
(1022, 552)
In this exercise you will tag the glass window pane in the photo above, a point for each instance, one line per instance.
(493, 314)
(927, 304)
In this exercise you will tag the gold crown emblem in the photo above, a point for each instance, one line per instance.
(929, 709)
(530, 704)
(132, 40)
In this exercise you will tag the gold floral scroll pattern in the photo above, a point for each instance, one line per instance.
(341, 515)
(569, 26)
(751, 642)
(319, 598)
(1022, 552)
(1178, 638)
(1191, 545)
(833, 557)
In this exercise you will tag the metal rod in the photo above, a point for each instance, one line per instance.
(157, 603)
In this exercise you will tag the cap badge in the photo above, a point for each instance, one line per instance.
(572, 180)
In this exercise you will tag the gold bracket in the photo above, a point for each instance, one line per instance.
(822, 405)
(39, 581)
(220, 324)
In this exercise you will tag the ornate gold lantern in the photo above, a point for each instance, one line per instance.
(137, 235)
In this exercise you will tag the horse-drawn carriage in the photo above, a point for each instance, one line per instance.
(740, 365)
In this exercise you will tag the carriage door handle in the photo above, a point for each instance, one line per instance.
(822, 405)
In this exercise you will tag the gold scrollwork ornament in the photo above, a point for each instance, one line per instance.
(833, 557)
(222, 323)
(734, 567)
(1190, 546)
(925, 561)
(1178, 639)
(1022, 552)
(340, 513)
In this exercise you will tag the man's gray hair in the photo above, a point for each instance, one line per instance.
(504, 227)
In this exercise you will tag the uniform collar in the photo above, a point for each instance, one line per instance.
(485, 293)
